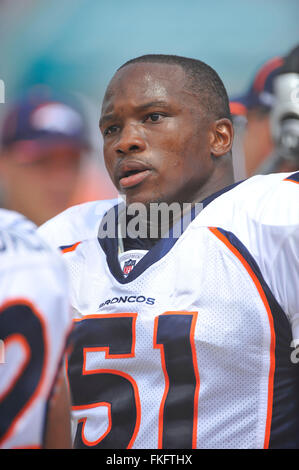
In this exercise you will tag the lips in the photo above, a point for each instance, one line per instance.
(132, 173)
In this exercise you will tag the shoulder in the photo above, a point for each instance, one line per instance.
(272, 199)
(29, 268)
(76, 224)
(263, 199)
(262, 214)
(13, 221)
(25, 256)
(19, 240)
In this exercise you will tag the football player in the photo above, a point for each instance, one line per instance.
(35, 323)
(43, 147)
(182, 335)
(255, 106)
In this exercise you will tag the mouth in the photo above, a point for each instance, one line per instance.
(131, 174)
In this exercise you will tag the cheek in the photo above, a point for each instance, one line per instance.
(26, 177)
(108, 160)
(35, 183)
(180, 156)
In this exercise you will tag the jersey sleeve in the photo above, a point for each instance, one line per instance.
(263, 213)
(278, 246)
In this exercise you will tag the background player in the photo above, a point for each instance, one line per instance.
(256, 105)
(284, 117)
(269, 117)
(34, 327)
(201, 358)
(43, 146)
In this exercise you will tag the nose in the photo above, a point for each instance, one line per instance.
(131, 141)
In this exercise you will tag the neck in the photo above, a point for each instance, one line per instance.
(221, 177)
(155, 219)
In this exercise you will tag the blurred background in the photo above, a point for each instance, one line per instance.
(71, 49)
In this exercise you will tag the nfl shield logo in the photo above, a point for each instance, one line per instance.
(128, 266)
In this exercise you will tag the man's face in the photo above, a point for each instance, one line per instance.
(156, 136)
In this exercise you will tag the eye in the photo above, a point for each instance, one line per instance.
(153, 117)
(110, 130)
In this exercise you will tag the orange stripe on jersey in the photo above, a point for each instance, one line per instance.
(70, 248)
(166, 388)
(293, 178)
(83, 421)
(196, 372)
(292, 181)
(261, 292)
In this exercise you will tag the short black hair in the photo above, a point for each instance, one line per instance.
(203, 80)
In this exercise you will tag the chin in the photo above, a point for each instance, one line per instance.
(145, 199)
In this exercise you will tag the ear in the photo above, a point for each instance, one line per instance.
(222, 137)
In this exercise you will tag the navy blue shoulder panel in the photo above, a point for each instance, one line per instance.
(293, 177)
(65, 247)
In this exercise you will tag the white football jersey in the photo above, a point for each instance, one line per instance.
(35, 322)
(192, 347)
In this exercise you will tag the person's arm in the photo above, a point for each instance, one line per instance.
(58, 426)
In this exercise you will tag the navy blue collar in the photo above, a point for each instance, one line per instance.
(161, 248)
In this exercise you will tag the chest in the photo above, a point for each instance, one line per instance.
(199, 274)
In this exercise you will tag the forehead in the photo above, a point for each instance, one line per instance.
(146, 81)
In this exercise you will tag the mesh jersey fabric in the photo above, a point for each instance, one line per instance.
(211, 373)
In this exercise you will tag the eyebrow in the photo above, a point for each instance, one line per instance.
(142, 107)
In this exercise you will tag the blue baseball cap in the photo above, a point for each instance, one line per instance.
(42, 118)
(260, 94)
